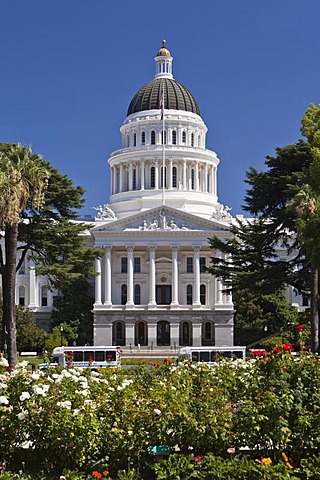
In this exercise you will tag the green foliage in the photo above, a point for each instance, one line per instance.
(252, 420)
(29, 336)
(255, 312)
(55, 339)
(211, 467)
(73, 310)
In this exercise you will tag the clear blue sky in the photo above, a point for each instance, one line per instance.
(69, 69)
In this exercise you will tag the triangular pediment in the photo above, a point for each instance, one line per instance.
(161, 219)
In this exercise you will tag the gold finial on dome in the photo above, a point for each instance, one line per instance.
(163, 51)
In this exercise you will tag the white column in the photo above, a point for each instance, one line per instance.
(214, 173)
(130, 276)
(196, 270)
(175, 301)
(196, 179)
(114, 180)
(111, 180)
(184, 175)
(152, 276)
(107, 278)
(97, 281)
(156, 175)
(218, 285)
(205, 177)
(170, 174)
(32, 286)
(121, 179)
(180, 175)
(130, 177)
(142, 175)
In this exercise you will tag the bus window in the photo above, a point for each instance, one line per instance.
(88, 356)
(77, 356)
(99, 356)
(111, 355)
(205, 357)
(195, 356)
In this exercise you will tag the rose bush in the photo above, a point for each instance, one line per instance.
(230, 417)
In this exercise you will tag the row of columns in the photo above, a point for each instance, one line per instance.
(33, 286)
(121, 178)
(152, 278)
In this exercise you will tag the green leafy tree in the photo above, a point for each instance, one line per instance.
(306, 205)
(261, 316)
(264, 254)
(42, 227)
(73, 310)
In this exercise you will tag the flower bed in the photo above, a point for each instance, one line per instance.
(252, 420)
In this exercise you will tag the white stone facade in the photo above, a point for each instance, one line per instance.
(152, 287)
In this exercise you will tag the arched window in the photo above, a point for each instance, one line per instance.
(199, 141)
(143, 138)
(192, 179)
(137, 294)
(165, 137)
(118, 333)
(153, 137)
(208, 331)
(184, 137)
(152, 177)
(134, 179)
(22, 295)
(189, 294)
(165, 177)
(203, 299)
(123, 294)
(192, 139)
(174, 137)
(134, 139)
(174, 177)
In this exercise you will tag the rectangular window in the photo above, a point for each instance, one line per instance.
(124, 264)
(137, 265)
(100, 356)
(305, 301)
(202, 264)
(189, 264)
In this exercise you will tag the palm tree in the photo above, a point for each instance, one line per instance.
(23, 181)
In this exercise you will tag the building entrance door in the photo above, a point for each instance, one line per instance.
(163, 294)
(163, 333)
(141, 334)
(186, 334)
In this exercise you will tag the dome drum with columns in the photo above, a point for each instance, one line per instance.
(152, 287)
(175, 143)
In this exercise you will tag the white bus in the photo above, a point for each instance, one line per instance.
(85, 357)
(210, 355)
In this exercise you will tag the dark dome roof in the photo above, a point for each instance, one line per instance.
(176, 97)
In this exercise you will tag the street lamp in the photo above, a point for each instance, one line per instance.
(61, 333)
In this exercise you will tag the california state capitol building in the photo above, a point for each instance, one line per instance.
(152, 288)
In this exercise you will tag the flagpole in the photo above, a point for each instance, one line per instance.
(163, 150)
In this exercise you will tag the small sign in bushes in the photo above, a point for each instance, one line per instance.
(159, 450)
